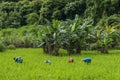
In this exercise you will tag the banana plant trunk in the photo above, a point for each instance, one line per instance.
(51, 49)
(78, 50)
(104, 49)
(70, 50)
(55, 51)
(45, 49)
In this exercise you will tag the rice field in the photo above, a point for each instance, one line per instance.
(103, 66)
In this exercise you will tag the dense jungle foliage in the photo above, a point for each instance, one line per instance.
(17, 13)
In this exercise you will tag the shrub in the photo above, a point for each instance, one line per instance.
(12, 47)
(2, 47)
(62, 52)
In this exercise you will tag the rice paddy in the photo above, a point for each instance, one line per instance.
(102, 67)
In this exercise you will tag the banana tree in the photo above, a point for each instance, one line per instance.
(74, 34)
(70, 35)
(104, 38)
(103, 42)
(82, 31)
(116, 39)
(49, 37)
(66, 36)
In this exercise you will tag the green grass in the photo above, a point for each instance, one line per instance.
(103, 67)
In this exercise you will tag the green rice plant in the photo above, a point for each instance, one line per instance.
(102, 67)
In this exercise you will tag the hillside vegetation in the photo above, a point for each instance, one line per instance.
(17, 13)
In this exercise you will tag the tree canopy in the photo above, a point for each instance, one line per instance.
(16, 13)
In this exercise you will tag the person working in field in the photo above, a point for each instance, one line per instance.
(18, 59)
(87, 60)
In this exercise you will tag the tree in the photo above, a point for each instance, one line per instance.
(73, 8)
(103, 37)
(3, 20)
(67, 35)
(73, 38)
(32, 18)
(9, 0)
(50, 37)
(14, 19)
(52, 9)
